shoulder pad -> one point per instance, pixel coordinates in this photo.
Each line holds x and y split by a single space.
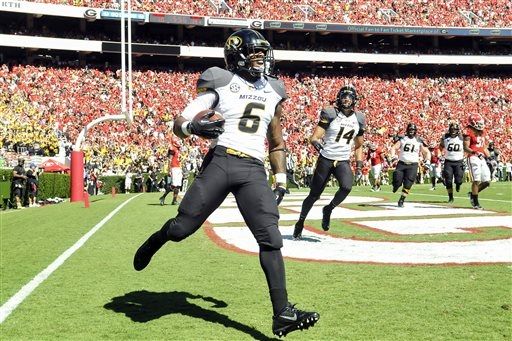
278 86
361 119
213 78
328 114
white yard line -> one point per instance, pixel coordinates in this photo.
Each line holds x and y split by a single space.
8 307
445 195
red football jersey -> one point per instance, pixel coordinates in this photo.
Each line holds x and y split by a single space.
375 157
434 155
175 160
476 142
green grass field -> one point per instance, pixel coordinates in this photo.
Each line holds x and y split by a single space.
195 290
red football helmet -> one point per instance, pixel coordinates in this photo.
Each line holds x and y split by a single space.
476 121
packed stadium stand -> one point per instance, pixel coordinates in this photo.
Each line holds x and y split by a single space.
496 13
48 95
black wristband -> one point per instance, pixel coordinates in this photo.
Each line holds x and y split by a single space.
359 164
277 150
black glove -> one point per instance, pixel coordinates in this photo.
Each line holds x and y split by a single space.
318 146
205 128
279 192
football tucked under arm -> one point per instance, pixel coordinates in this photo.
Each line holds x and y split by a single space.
207 124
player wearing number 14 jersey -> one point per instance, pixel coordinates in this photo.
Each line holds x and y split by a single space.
341 128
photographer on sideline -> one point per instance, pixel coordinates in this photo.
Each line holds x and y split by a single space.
18 183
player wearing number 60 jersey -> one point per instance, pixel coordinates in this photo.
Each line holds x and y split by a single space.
341 128
452 144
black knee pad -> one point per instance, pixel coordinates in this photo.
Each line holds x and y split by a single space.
172 231
273 240
313 198
449 185
345 189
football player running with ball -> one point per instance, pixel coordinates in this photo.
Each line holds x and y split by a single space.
249 100
340 127
409 147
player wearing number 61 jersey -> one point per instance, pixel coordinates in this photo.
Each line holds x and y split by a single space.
452 144
341 128
409 146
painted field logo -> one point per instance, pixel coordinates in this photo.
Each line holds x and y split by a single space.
431 219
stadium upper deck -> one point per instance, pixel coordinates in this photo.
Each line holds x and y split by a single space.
453 13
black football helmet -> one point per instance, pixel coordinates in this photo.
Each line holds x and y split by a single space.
240 46
454 129
347 98
411 130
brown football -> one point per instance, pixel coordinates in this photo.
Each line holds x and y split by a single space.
216 116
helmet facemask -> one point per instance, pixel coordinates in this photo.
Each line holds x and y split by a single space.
249 53
346 99
479 125
257 60
454 130
411 130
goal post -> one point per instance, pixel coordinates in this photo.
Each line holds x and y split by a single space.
77 155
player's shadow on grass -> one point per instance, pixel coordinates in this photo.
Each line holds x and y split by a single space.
303 239
433 202
144 306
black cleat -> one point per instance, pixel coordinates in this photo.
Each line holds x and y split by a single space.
290 319
477 207
162 201
401 202
147 250
297 232
471 201
450 200
326 218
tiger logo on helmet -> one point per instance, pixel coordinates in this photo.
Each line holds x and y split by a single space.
476 121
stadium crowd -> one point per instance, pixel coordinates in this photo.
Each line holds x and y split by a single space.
491 13
43 109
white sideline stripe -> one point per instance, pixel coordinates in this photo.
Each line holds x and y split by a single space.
14 301
442 196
